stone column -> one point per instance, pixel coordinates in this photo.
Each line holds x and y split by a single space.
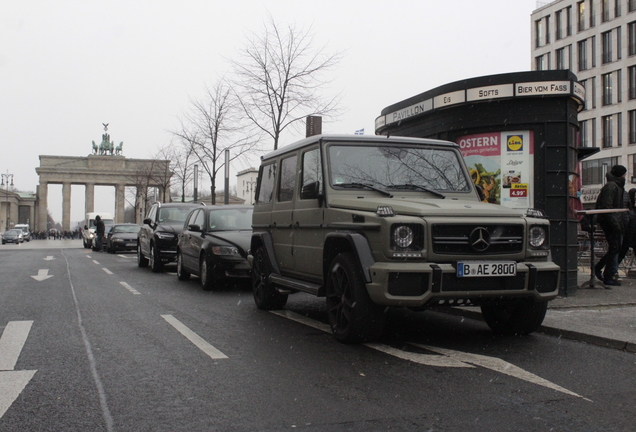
120 202
43 203
89 207
66 206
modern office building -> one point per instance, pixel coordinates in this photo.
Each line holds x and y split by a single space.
595 39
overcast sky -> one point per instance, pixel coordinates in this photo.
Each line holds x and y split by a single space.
67 66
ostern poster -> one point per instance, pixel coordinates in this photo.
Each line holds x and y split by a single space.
502 163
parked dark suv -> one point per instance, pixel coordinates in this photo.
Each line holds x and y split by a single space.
370 222
157 238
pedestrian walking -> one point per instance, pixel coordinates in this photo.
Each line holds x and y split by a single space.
99 233
629 225
611 197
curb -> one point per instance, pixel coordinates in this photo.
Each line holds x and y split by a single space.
601 341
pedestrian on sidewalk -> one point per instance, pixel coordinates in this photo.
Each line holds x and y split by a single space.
629 225
611 197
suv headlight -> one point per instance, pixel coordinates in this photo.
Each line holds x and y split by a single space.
538 237
407 237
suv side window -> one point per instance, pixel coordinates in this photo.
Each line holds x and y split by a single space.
266 186
312 168
287 179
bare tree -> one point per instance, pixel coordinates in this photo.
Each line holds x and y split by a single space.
213 126
182 158
280 79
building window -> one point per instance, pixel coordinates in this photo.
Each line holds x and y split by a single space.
583 55
619 43
605 11
585 139
592 15
538 25
619 129
560 59
631 38
559 25
617 8
607 131
607 89
568 20
539 63
631 5
619 86
593 43
593 172
593 92
607 47
581 12
632 127
547 29
632 82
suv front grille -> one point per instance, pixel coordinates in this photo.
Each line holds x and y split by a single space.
472 239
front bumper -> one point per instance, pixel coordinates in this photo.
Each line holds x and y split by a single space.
431 284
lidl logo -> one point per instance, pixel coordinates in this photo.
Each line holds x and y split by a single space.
515 143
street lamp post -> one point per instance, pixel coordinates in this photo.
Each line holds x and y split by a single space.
6 178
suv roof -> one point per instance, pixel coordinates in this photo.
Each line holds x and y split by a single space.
356 138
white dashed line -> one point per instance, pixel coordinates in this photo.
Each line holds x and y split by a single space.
194 338
129 288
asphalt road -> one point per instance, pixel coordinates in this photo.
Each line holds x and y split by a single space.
91 342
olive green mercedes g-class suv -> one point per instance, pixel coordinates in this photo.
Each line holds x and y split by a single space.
369 222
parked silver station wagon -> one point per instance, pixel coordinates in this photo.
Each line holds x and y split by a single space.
369 222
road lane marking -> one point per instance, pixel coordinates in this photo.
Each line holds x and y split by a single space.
129 288
11 385
13 382
194 338
448 358
43 274
103 402
49 258
96 262
13 338
501 366
107 271
425 359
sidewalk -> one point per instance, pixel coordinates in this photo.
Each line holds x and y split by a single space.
596 316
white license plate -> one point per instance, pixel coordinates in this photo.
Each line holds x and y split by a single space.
486 268
131 244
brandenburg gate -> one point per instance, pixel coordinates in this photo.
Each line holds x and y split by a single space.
106 166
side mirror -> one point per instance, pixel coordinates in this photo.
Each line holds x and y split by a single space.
147 221
194 227
311 191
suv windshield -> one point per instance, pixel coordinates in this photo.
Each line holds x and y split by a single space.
173 215
385 167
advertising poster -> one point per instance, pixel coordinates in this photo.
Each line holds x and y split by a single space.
502 163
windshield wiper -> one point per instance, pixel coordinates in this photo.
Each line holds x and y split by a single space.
364 185
414 186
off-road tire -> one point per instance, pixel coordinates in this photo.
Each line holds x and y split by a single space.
353 317
514 317
266 296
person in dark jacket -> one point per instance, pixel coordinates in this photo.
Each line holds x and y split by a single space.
611 197
629 224
100 229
